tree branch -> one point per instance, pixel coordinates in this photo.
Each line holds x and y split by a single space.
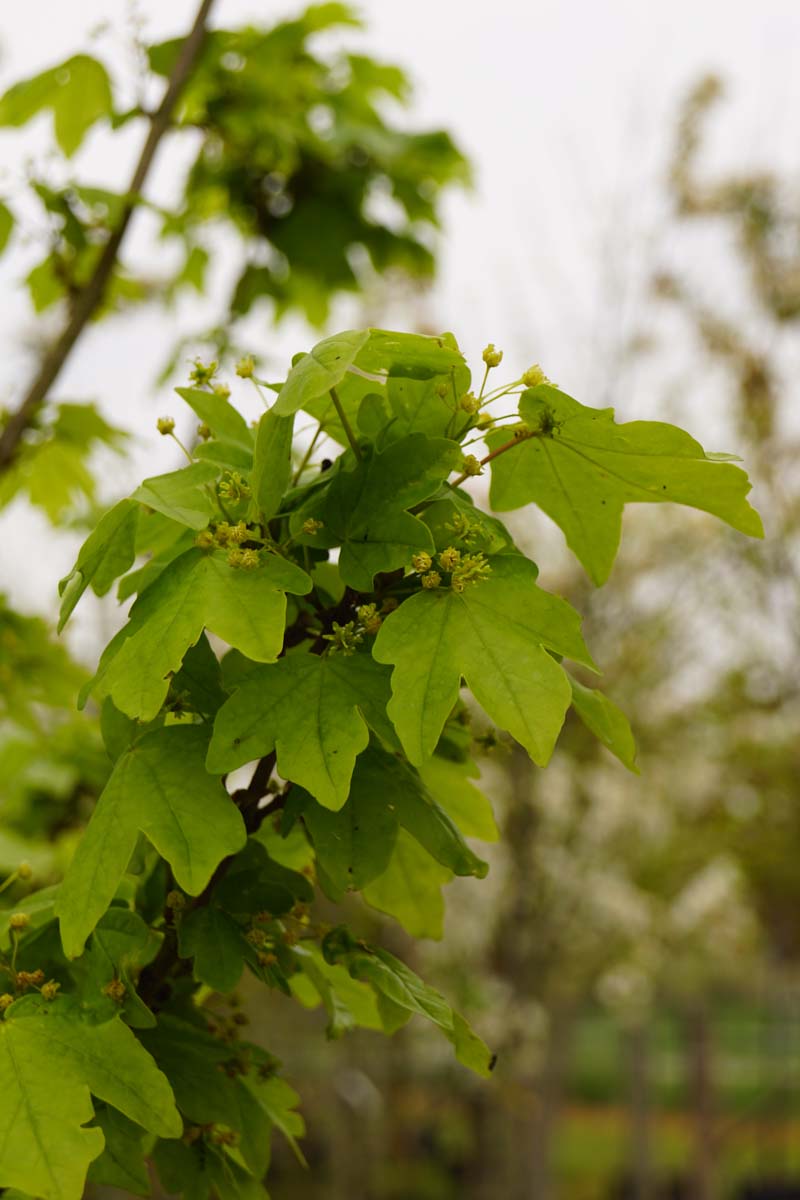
89 298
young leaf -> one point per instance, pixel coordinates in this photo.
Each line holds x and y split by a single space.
216 944
195 591
194 1062
159 787
313 710
78 92
581 468
497 634
410 889
607 722
180 495
122 1164
363 510
395 981
353 846
272 464
465 804
316 373
221 417
107 553
51 1058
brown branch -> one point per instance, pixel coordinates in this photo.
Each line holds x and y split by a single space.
90 297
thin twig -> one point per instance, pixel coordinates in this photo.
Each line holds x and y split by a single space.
515 441
90 297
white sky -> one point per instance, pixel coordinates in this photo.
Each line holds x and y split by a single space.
565 109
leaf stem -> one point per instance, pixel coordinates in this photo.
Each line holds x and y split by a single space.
346 426
515 441
307 456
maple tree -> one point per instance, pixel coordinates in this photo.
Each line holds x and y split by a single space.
338 675
309 607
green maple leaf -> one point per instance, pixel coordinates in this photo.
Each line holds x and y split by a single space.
363 510
405 991
221 417
313 710
108 552
378 351
51 1059
272 463
354 845
180 495
122 1164
194 1061
581 468
215 942
316 373
496 634
410 889
607 722
197 590
159 787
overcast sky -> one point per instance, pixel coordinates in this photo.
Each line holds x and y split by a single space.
565 108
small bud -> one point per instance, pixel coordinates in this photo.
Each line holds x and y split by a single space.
222 533
204 431
432 580
471 466
449 558
165 425
202 373
312 526
6 1000
222 390
250 560
442 390
205 539
344 638
246 367
26 979
369 618
18 921
266 960
484 418
24 870
235 557
115 990
237 533
534 376
176 901
492 357
469 402
256 937
421 562
50 989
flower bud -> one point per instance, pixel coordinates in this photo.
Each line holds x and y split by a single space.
421 562
18 921
492 357
534 376
432 580
165 425
245 367
471 465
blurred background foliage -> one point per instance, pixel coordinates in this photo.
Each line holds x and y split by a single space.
634 953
